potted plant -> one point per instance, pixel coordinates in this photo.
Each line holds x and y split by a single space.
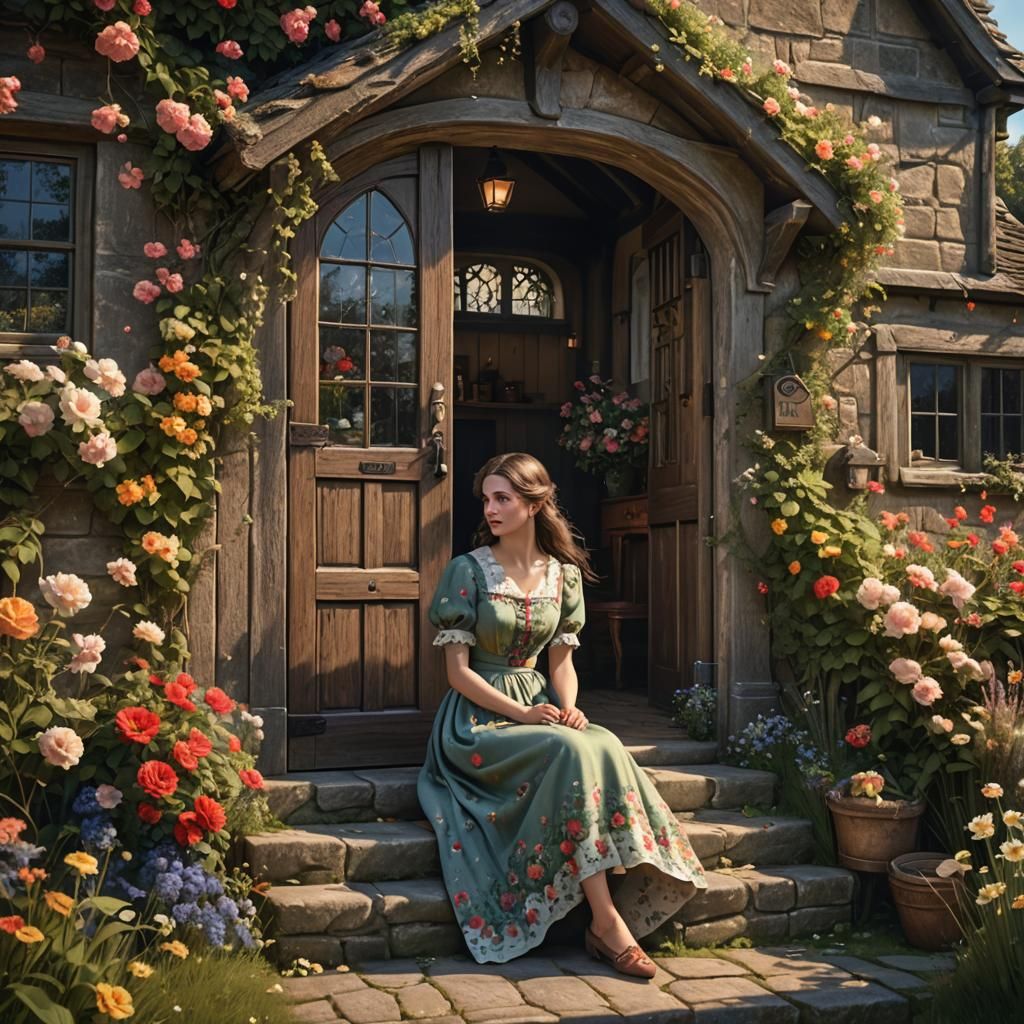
695 710
608 433
926 893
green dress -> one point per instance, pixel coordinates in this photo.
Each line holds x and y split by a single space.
523 813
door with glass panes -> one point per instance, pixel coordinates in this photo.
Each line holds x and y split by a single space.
370 501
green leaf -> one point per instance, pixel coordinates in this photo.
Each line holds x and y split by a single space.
42 1005
789 508
106 905
130 440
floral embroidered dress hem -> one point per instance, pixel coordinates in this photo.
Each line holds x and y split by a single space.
524 813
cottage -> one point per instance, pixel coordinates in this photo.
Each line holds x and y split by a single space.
651 236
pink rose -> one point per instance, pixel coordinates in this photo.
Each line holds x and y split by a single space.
161 274
932 623
122 571
332 30
98 450
874 151
771 106
940 724
921 576
89 652
108 117
187 250
902 619
230 49
926 691
155 250
957 589
142 8
108 797
906 671
585 443
295 24
780 67
611 445
876 196
869 593
149 381
172 116
61 746
106 374
854 163
104 5
9 85
146 291
130 177
595 417
372 13
36 419
196 135
174 283
117 42
824 149
36 53
237 89
65 592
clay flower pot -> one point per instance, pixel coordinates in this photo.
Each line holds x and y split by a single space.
870 834
925 902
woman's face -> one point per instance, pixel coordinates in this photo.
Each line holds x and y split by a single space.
504 509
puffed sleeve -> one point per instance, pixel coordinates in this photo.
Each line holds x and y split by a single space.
573 614
453 609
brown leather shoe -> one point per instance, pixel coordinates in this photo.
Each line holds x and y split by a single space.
632 960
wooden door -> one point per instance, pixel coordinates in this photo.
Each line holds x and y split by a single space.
369 521
681 588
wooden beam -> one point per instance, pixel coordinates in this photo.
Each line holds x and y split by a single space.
987 243
781 227
548 40
550 172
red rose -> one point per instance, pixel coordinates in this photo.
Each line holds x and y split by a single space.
535 871
825 587
461 897
859 736
476 921
157 778
567 846
456 846
137 662
137 724
177 694
476 760
1016 586
199 743
219 700
148 813
1018 567
187 831
345 365
234 744
251 778
973 539
183 679
209 814
184 756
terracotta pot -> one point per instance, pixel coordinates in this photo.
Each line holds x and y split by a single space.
869 835
925 903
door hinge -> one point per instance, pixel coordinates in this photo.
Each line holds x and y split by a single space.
306 725
308 435
709 399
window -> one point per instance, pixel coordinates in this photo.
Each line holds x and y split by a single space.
369 345
532 294
502 287
1002 415
935 412
478 289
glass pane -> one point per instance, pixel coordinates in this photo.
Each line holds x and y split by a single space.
49 311
14 179
13 306
1012 435
532 294
922 435
393 356
342 409
342 294
393 297
51 223
13 220
50 269
989 390
391 241
51 183
1011 391
346 237
342 354
947 382
483 288
990 436
949 438
393 417
13 267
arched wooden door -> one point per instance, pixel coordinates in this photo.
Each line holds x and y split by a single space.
369 519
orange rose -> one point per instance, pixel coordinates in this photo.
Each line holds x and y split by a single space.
186 372
18 618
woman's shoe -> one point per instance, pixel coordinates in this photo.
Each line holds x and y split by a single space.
632 960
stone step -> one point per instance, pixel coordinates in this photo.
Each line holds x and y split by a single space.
341 922
319 798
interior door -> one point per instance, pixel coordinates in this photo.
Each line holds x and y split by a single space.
681 588
369 506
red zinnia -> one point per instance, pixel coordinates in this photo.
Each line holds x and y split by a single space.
199 743
187 831
157 778
184 756
219 700
148 813
137 724
177 694
251 778
859 736
210 814
825 587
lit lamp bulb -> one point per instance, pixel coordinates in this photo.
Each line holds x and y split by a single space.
495 185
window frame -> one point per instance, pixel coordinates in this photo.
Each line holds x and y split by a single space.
505 265
82 158
928 359
991 364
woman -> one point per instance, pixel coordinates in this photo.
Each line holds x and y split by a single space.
532 805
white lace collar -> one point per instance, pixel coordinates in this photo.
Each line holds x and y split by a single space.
499 583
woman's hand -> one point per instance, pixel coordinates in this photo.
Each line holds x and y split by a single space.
540 714
573 718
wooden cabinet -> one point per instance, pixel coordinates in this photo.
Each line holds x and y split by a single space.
624 531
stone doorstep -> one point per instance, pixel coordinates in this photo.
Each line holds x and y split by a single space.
718 786
766 840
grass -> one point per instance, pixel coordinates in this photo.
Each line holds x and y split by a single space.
210 988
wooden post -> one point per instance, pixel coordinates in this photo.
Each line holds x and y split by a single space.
549 38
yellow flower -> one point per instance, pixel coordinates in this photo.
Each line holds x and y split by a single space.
992 790
818 537
963 856
959 739
794 568
1018 903
59 902
139 969
175 948
1013 819
29 935
832 551
990 892
83 863
1012 850
779 527
981 827
114 1001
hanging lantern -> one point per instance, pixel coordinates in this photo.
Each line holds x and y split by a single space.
573 341
495 185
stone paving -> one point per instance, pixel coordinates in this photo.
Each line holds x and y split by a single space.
775 985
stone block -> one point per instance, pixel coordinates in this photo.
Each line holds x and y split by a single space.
920 221
394 791
897 19
767 927
422 1000
85 556
714 933
630 998
326 950
849 1003
682 790
898 981
816 920
912 254
576 88
900 60
320 986
759 840
386 850
954 257
865 56
472 991
772 960
794 17
391 974
67 511
510 1015
612 94
700 967
337 789
772 890
366 1006
917 182
724 895
291 854
314 1013
425 939
561 995
303 909
416 899
285 796
360 948
937 66
936 963
949 225
830 50
799 51
950 184
846 16
744 1000
819 886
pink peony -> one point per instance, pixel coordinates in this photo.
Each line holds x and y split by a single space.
172 116
906 671
61 746
108 117
9 85
824 149
771 106
89 652
873 593
196 135
902 619
155 250
130 177
98 450
332 30
948 643
117 42
187 250
146 291
372 13
65 592
122 571
926 691
104 373
295 24
921 576
230 49
585 443
36 419
237 89
149 381
25 370
957 589
36 53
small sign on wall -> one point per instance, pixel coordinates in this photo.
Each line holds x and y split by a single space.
792 408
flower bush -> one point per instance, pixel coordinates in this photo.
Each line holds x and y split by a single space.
605 429
696 710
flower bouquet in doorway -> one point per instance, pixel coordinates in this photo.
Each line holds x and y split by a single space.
608 433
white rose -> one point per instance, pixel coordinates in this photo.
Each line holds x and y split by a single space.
61 746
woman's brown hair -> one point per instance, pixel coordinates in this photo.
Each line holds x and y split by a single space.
556 536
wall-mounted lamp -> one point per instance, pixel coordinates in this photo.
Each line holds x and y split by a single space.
573 341
495 185
862 464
